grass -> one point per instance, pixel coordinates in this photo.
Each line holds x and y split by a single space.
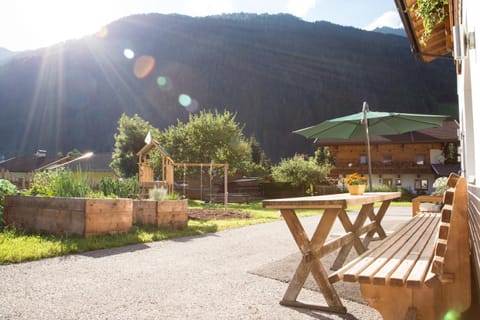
17 246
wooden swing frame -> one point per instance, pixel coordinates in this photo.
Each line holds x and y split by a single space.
145 170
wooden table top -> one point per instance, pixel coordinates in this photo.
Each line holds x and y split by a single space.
338 200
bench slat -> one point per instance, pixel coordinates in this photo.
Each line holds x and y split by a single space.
397 274
349 272
421 270
397 251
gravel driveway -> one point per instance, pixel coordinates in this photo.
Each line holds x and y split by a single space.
199 277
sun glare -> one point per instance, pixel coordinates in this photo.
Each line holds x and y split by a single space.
44 23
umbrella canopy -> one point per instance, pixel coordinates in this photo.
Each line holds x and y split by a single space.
379 124
367 122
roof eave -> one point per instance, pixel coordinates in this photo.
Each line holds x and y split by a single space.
439 46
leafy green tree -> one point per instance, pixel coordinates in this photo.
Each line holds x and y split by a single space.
129 139
323 156
208 137
300 172
260 166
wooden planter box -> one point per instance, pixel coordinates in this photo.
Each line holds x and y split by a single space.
67 216
167 213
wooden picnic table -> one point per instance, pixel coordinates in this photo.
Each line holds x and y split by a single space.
334 206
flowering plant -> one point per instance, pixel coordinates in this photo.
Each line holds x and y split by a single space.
355 179
440 186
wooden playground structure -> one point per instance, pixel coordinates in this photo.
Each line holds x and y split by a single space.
146 180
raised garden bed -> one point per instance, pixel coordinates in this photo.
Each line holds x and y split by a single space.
66 216
166 213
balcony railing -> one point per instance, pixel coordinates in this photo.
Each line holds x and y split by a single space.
379 167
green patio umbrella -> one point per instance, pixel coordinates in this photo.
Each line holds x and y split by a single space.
366 123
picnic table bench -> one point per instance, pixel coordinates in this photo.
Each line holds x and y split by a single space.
422 271
367 222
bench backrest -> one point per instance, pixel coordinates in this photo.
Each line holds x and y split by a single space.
452 247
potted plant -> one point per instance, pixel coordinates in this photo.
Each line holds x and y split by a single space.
356 184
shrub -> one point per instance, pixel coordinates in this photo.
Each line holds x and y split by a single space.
6 188
121 188
60 183
300 172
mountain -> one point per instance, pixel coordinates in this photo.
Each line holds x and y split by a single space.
388 30
6 55
277 72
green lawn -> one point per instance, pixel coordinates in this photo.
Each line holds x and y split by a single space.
17 246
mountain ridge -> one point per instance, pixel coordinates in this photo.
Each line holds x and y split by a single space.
276 72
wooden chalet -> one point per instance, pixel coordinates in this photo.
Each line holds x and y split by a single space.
412 160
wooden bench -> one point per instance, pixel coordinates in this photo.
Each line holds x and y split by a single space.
422 271
416 202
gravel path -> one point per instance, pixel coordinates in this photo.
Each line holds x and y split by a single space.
200 277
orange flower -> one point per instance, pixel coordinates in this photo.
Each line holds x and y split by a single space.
355 179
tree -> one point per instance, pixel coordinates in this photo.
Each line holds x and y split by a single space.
208 137
128 141
260 166
300 172
323 156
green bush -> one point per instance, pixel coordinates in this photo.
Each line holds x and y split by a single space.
300 172
6 188
60 183
121 188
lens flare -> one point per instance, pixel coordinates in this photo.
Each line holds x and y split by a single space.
143 66
184 100
162 82
128 53
452 315
193 107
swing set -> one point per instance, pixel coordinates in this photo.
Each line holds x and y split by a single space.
146 179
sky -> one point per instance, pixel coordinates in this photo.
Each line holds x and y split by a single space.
31 24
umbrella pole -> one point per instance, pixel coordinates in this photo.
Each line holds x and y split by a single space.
365 123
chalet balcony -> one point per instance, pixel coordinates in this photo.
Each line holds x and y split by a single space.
379 167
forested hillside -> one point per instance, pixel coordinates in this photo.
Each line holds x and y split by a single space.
278 73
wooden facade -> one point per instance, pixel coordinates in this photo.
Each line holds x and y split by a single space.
411 160
391 158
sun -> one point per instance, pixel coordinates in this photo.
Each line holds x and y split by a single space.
47 22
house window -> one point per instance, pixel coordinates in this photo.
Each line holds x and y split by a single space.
421 184
363 159
387 182
420 160
387 158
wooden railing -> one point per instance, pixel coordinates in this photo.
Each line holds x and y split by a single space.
346 167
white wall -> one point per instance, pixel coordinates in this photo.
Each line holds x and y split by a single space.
469 93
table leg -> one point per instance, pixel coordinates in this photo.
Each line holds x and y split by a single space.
378 223
349 227
311 262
